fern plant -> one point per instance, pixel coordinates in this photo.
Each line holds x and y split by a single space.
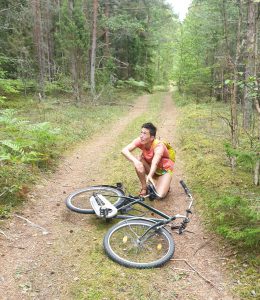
30 143
15 153
8 119
2 99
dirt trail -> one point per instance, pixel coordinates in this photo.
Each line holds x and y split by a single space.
34 254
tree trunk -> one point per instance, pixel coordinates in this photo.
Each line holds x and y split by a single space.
93 49
228 60
257 172
250 63
49 39
257 105
233 100
38 40
106 50
74 72
222 85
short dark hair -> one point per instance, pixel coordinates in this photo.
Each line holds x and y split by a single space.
152 129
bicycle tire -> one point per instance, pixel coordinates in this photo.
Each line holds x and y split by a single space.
79 202
120 244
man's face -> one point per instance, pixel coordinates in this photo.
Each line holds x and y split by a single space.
145 136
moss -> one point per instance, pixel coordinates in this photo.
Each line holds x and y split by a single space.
227 198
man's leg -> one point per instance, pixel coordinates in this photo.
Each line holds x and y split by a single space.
163 184
141 175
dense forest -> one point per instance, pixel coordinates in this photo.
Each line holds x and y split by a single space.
84 46
218 56
87 47
84 53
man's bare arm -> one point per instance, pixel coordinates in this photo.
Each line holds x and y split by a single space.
126 151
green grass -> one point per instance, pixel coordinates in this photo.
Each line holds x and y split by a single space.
228 200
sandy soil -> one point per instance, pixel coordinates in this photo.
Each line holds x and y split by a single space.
35 248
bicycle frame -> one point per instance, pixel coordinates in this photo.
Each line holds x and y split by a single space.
139 201
166 219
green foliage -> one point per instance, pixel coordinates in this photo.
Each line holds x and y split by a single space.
246 158
224 195
7 118
30 144
61 86
2 99
122 21
132 83
206 41
227 199
160 88
10 86
140 44
233 218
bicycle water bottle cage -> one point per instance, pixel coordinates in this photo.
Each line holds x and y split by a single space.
102 207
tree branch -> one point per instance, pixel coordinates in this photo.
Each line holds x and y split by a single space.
4 234
226 120
44 231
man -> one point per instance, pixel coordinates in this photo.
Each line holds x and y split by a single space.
153 162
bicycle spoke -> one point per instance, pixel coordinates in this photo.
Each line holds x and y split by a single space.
80 200
126 244
129 225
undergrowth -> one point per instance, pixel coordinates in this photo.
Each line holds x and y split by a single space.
33 135
228 200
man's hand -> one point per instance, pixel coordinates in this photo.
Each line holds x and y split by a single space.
149 178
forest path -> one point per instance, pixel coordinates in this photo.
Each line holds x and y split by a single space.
42 259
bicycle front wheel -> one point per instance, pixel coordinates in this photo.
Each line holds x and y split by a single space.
131 244
79 201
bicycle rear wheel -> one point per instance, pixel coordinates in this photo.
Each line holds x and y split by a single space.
78 201
154 249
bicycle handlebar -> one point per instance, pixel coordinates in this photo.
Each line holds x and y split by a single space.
186 189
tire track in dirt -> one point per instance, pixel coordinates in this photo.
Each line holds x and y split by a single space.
34 265
195 246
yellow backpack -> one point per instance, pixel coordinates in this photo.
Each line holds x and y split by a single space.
171 151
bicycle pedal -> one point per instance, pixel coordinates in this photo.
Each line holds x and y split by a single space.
102 207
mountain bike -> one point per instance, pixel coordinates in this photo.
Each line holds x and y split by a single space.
139 241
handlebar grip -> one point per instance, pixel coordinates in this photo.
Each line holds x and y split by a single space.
186 189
